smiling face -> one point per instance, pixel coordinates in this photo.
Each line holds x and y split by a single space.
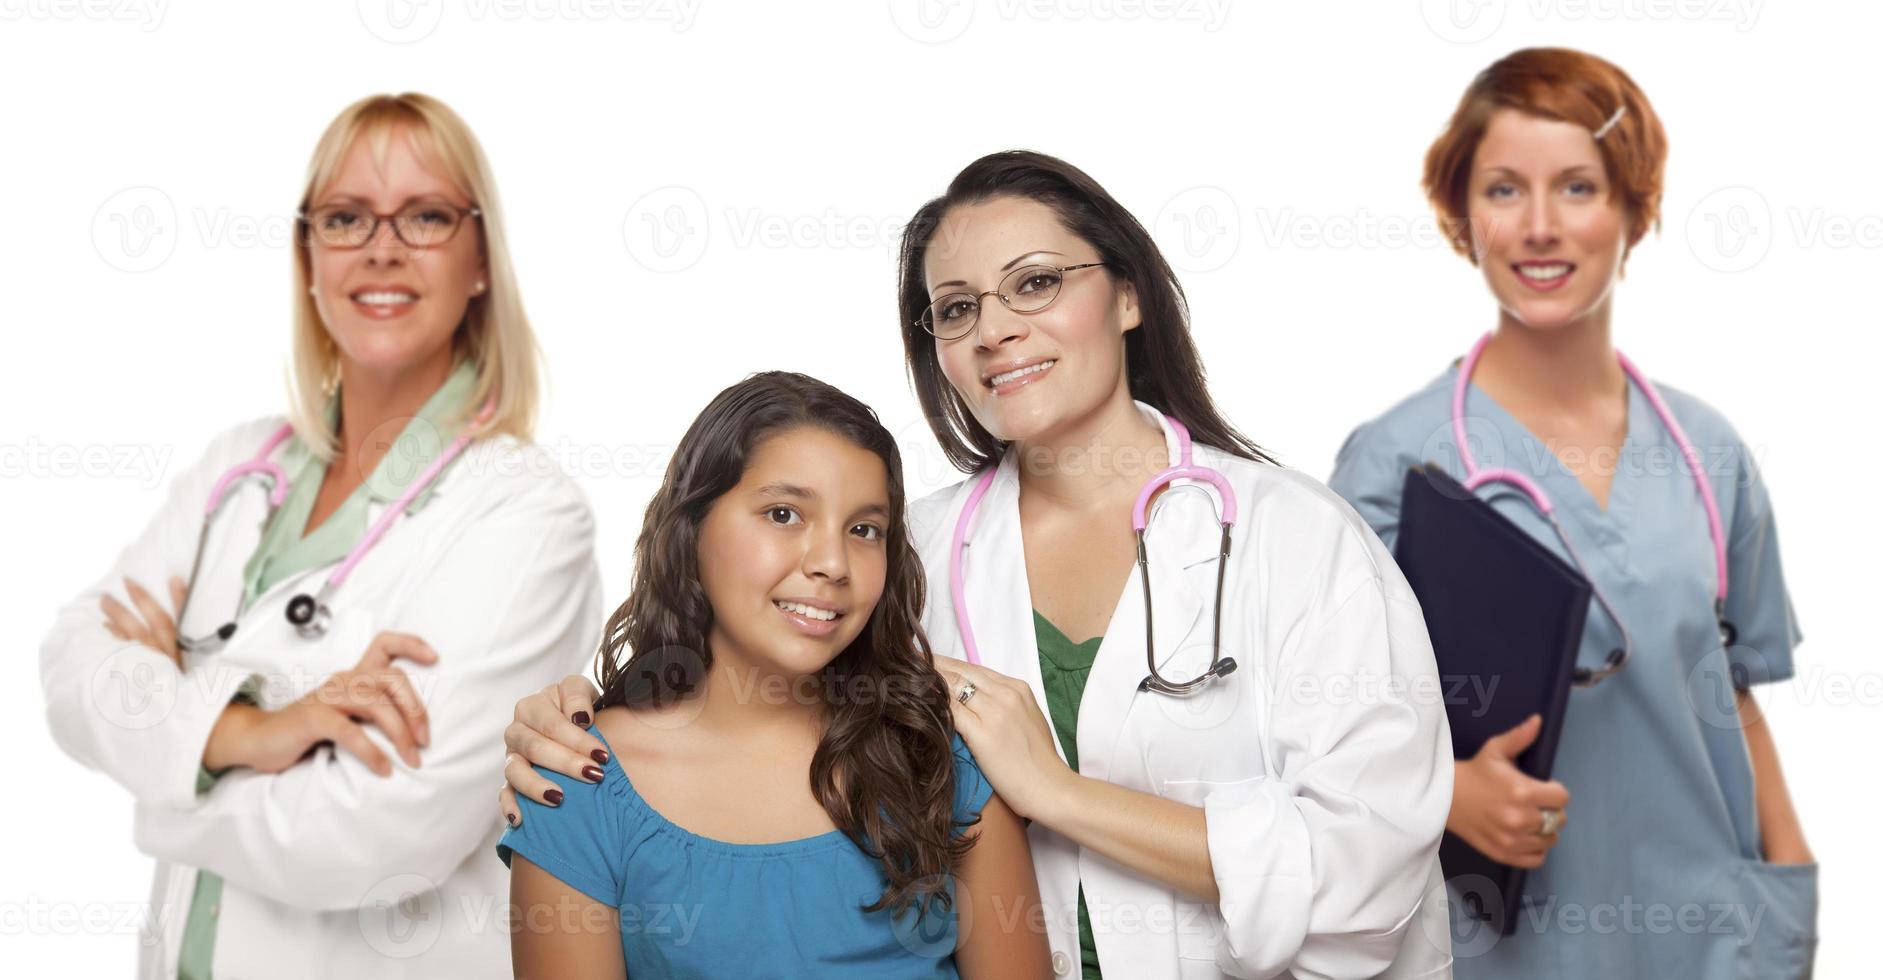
1547 232
1025 375
792 558
388 306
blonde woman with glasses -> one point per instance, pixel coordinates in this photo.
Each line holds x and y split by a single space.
300 668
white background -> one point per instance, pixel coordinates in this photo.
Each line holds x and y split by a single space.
153 154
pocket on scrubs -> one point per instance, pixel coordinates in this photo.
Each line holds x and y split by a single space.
1784 943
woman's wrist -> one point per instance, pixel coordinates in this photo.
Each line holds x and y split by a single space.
1059 794
228 736
1787 846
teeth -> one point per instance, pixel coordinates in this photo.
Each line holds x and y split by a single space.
385 299
1544 272
1001 379
808 612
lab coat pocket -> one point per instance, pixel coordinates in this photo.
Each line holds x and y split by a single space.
1199 939
1195 791
1199 926
1778 909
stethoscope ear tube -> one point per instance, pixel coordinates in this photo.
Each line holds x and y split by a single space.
309 615
1186 468
1475 477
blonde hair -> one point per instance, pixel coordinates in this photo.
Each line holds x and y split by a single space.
495 334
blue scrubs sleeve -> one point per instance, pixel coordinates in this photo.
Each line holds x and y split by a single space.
1371 477
1757 602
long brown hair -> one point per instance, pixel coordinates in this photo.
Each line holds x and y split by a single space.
884 769
1162 366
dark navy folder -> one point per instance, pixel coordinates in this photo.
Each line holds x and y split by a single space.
1505 615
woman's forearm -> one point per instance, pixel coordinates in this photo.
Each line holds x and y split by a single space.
1155 837
1781 836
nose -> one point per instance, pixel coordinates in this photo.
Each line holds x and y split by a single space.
997 325
1540 221
384 248
827 556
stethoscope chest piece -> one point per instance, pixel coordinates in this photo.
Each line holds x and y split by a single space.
308 616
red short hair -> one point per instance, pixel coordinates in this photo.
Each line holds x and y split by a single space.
1566 85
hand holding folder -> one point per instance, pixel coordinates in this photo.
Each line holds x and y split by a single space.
1505 616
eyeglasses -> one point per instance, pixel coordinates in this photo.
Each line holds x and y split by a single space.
1028 289
421 224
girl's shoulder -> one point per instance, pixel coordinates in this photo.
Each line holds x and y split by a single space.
972 790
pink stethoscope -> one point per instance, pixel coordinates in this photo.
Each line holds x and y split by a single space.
308 614
1475 478
1186 468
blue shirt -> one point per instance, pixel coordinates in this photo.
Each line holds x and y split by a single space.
691 906
1658 871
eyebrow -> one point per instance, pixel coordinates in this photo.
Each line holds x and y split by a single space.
402 205
1566 171
796 492
1010 264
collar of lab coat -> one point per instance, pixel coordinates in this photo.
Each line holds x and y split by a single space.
1182 543
423 437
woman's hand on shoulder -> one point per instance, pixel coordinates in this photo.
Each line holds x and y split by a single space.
550 729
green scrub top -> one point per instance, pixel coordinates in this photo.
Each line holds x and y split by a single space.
1064 667
286 550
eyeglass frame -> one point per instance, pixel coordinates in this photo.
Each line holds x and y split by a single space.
925 319
305 217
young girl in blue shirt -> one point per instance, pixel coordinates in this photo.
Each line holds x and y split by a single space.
782 793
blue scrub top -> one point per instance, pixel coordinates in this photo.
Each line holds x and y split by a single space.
1658 871
694 907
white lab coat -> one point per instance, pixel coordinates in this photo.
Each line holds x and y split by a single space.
1324 794
330 870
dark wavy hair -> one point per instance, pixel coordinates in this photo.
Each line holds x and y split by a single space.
1162 366
884 769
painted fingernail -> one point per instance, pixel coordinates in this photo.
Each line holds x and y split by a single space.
580 718
599 755
591 774
512 818
554 797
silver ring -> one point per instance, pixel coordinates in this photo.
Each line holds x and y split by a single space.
967 691
1552 822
